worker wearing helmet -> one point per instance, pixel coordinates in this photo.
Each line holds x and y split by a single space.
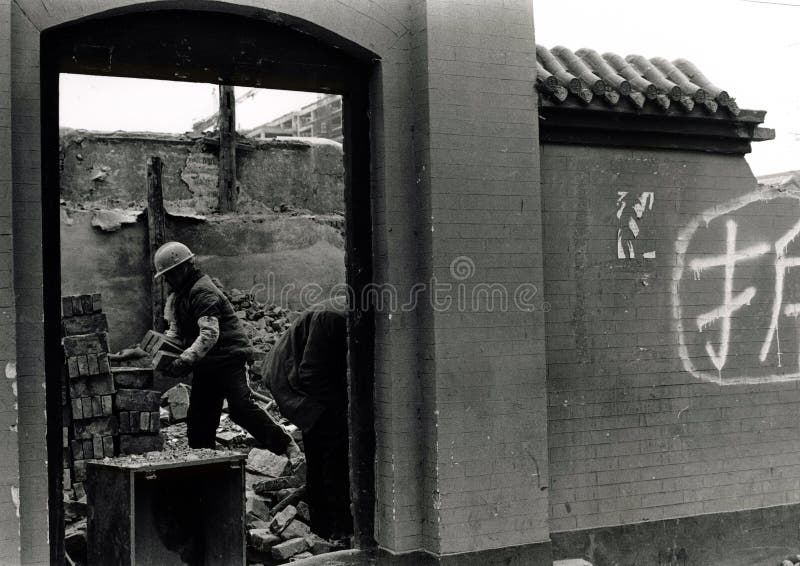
218 350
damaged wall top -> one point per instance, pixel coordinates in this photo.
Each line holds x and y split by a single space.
110 168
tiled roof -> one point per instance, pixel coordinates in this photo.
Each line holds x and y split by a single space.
611 80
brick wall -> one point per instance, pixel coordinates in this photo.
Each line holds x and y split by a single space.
640 427
485 381
9 468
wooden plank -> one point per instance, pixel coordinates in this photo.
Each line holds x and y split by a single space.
228 192
156 230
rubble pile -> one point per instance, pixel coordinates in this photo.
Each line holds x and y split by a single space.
263 322
791 560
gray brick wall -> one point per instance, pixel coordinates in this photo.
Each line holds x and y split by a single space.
9 468
634 435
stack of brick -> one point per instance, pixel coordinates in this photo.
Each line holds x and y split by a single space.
87 394
138 409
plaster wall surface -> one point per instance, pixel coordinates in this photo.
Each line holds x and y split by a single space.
660 404
113 167
274 256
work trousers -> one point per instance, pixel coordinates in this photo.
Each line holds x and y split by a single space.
210 386
328 475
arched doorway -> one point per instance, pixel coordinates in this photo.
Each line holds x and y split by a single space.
266 50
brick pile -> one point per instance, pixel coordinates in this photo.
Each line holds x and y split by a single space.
89 424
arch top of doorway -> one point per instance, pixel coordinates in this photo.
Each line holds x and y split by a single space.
362 29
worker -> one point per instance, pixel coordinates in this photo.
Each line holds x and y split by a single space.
307 374
218 351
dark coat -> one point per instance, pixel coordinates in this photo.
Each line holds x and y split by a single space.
307 369
198 297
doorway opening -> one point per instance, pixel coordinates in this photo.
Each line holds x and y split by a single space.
217 49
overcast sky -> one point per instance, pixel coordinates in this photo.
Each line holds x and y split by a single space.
748 47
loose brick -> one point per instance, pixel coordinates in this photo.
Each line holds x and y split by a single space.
80 491
102 364
258 506
65 436
271 485
93 368
85 324
162 360
135 421
97 302
133 378
108 446
83 365
282 519
158 342
91 385
72 367
155 421
261 461
124 422
97 446
67 479
86 344
303 512
108 405
177 400
97 406
289 548
137 400
262 539
88 449
66 306
139 444
101 425
86 403
77 306
86 303
79 469
77 409
144 421
295 529
77 450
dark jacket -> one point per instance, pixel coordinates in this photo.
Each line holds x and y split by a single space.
199 297
307 369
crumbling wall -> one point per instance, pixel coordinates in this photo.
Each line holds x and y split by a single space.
276 256
110 168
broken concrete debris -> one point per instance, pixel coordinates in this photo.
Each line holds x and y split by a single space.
114 412
264 462
176 400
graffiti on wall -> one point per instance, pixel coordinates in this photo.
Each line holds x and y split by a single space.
736 296
632 210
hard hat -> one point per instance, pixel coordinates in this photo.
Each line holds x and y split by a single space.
169 255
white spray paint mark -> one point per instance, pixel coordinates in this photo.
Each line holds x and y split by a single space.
730 302
682 242
628 232
15 498
782 263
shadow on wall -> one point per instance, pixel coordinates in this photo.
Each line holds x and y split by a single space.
268 252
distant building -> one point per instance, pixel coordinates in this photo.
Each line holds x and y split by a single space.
320 119
777 178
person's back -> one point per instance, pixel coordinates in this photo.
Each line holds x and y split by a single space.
307 373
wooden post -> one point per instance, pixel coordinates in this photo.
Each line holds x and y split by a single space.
156 231
226 184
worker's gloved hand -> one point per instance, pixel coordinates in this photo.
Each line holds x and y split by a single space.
178 368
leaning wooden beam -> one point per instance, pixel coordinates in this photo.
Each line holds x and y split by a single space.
156 236
226 183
